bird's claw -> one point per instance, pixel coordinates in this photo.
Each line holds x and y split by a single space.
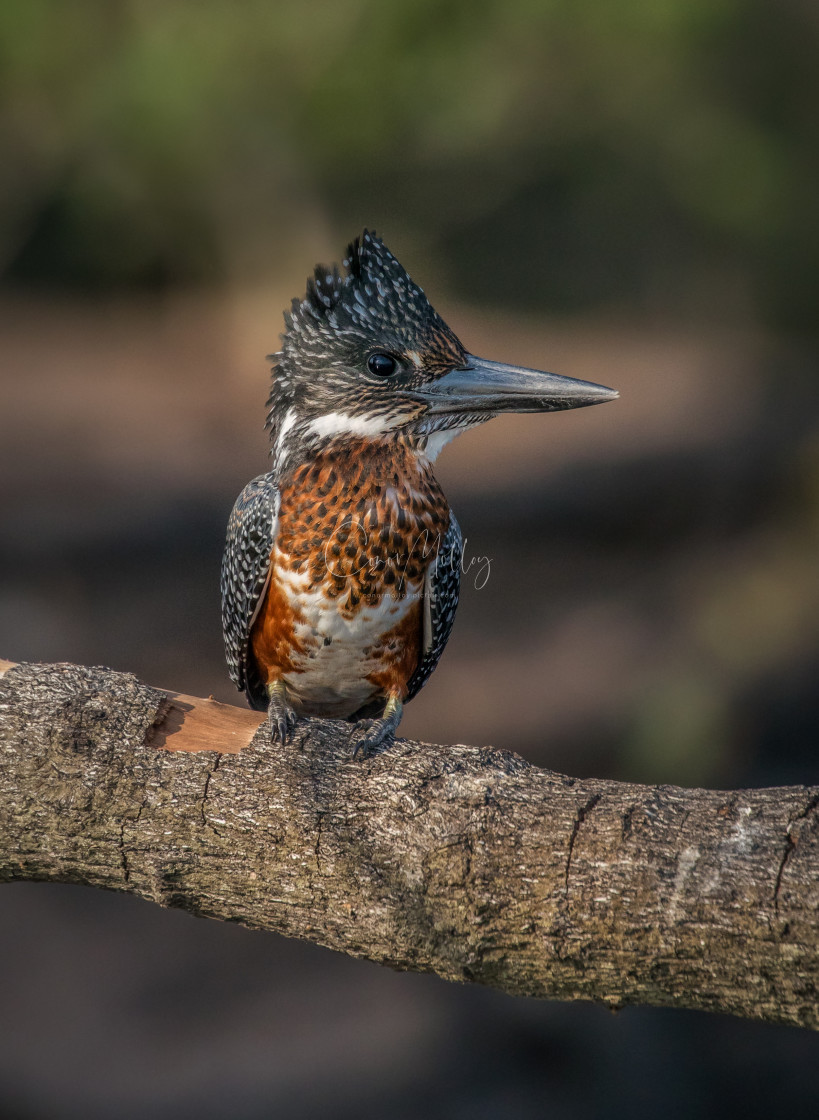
369 734
282 725
281 716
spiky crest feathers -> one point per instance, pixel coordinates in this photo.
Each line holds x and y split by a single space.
373 305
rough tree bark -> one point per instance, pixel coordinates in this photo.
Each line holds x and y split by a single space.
463 861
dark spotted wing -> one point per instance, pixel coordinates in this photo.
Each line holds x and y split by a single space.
251 533
441 588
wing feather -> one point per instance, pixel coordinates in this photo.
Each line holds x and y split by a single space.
441 589
251 534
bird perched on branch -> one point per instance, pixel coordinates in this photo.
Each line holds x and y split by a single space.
342 564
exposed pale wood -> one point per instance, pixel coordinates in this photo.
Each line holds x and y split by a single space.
467 862
191 724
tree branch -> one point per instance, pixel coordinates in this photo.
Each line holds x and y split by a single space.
463 861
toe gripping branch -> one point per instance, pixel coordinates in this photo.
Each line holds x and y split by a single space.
369 734
365 736
281 716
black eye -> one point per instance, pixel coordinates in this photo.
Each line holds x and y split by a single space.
381 364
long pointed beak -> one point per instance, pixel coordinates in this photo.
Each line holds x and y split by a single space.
485 386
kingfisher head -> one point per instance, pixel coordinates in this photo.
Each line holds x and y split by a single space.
365 355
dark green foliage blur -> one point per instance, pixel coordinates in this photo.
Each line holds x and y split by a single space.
643 154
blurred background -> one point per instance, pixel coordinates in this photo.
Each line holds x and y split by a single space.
624 193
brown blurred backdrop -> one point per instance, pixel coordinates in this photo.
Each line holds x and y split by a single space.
622 193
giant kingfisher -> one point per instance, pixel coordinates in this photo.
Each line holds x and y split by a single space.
341 569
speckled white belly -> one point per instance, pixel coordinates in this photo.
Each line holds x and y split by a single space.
330 677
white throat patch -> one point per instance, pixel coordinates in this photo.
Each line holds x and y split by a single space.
437 441
343 424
